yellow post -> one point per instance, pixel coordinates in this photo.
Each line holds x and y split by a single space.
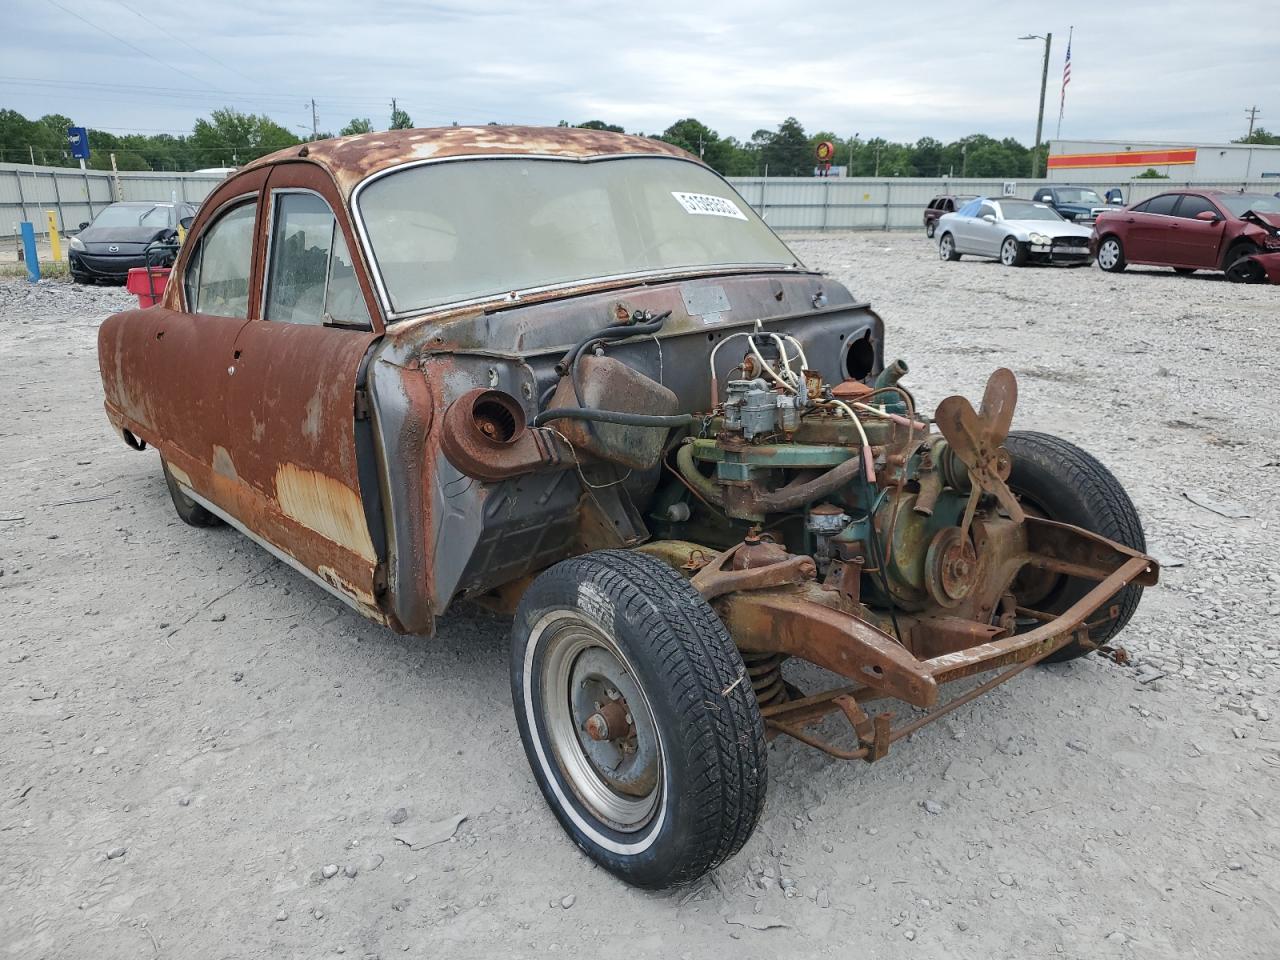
54 241
182 234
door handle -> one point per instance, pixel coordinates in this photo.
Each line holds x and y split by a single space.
1129 220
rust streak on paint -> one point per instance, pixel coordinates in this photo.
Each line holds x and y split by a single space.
326 506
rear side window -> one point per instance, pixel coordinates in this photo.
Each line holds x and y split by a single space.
217 277
1162 204
312 279
1193 205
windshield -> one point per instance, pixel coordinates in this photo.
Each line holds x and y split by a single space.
1027 210
135 215
1241 203
1078 195
449 232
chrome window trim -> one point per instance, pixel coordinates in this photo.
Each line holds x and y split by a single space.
227 206
394 316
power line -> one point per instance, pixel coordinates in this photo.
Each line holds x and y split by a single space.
131 46
183 42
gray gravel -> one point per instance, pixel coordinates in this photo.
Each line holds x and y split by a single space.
1084 810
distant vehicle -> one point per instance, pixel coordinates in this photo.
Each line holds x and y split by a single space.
220 171
1079 204
1187 230
1013 231
943 204
119 236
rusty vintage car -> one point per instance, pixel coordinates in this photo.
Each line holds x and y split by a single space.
572 375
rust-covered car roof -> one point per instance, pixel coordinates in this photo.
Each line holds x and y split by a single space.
352 159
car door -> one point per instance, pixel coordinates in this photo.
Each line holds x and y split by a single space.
192 340
1197 243
1148 237
292 391
987 234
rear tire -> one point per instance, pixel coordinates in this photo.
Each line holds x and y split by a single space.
931 228
1111 254
1060 481
189 512
947 248
681 787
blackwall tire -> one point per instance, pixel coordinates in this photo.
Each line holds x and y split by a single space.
1111 255
688 784
1058 480
189 512
930 229
947 248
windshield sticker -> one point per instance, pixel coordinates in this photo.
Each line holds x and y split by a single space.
708 205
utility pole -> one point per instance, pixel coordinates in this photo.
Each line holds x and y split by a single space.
1252 113
1044 83
315 135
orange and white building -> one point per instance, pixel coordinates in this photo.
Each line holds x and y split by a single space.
1091 161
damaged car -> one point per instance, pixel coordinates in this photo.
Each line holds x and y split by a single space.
571 375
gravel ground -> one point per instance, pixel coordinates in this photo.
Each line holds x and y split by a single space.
202 755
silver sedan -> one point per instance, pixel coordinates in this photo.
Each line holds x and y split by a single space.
1012 231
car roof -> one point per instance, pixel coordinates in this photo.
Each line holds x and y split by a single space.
351 159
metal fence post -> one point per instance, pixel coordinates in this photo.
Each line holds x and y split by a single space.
826 201
888 207
57 201
22 200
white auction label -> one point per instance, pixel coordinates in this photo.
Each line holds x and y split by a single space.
708 205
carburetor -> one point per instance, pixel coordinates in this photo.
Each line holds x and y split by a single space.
756 410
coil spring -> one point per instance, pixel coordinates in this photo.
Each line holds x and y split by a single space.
765 671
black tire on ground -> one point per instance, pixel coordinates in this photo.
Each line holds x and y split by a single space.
1111 254
627 624
1239 252
1184 271
189 511
947 248
931 228
1058 480
1013 253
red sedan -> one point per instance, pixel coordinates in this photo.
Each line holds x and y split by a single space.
1188 230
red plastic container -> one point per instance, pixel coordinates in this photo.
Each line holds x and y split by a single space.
149 289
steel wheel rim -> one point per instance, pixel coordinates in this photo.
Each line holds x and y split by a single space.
1009 252
944 248
1108 254
578 661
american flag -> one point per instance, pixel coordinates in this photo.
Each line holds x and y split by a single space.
1066 79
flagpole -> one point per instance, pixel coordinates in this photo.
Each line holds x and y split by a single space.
1062 103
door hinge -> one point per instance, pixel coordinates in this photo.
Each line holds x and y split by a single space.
362 404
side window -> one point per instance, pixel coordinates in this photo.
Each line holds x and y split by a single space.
970 209
1192 205
1162 204
947 206
312 278
1141 207
987 209
217 278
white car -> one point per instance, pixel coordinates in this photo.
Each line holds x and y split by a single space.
1012 231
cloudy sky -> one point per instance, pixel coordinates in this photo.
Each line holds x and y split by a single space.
1157 70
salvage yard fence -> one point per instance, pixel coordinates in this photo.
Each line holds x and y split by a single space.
786 203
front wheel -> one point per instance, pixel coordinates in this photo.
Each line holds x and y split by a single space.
189 512
1111 255
1058 480
947 248
1012 253
637 718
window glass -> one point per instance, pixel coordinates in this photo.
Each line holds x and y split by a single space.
449 232
1192 205
970 209
312 279
987 210
1241 203
217 279
1162 204
1141 207
1029 210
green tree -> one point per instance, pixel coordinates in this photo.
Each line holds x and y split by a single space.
1260 135
600 125
400 120
356 125
1151 173
725 156
784 152
230 138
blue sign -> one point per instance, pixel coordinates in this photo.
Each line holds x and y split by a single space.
78 140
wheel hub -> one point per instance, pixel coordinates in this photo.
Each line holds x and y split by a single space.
951 567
